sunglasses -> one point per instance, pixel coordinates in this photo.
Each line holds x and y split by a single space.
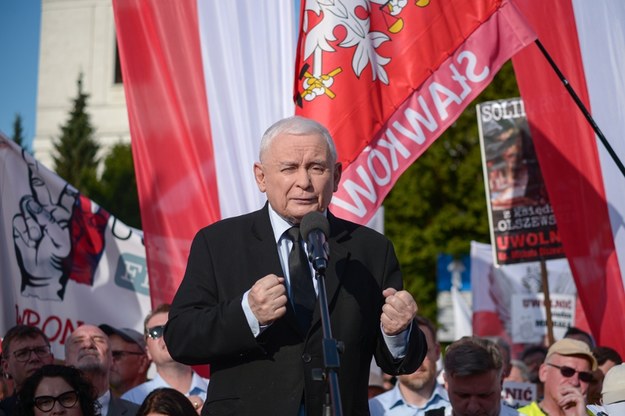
567 372
156 331
46 403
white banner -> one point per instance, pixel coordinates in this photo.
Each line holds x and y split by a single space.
64 260
529 316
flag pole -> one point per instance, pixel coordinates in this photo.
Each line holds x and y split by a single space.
582 107
544 277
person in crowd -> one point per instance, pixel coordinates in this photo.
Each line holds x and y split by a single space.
506 355
566 374
169 373
25 349
247 303
130 361
613 392
88 349
415 393
165 401
518 372
474 377
57 390
606 358
6 386
574 332
533 356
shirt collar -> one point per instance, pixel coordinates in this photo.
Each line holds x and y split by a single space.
279 225
105 401
438 393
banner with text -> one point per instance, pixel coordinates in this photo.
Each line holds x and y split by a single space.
522 223
64 260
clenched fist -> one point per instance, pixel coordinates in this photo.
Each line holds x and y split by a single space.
398 311
268 299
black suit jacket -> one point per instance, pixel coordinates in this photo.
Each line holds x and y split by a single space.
121 407
267 375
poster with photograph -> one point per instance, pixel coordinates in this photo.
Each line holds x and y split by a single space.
523 225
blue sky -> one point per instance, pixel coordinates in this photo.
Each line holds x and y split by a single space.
19 56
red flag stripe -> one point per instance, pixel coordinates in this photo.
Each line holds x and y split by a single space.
567 150
171 138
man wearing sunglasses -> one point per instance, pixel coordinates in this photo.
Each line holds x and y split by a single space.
566 374
169 373
25 349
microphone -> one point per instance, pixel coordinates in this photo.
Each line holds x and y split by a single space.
315 229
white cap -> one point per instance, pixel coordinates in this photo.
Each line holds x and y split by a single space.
613 391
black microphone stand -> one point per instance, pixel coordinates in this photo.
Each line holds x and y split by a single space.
331 349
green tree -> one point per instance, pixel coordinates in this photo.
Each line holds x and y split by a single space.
117 189
439 204
18 131
75 151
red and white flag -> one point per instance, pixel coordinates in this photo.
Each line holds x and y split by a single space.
64 260
587 42
204 80
388 77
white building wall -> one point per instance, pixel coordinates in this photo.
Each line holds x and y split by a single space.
78 35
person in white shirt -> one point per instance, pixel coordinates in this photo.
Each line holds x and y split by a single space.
418 393
169 373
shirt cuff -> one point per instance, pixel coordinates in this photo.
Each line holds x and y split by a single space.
397 344
253 323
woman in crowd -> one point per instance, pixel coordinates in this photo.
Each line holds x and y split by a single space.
166 402
56 388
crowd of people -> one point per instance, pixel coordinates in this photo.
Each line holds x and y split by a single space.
572 377
248 306
104 372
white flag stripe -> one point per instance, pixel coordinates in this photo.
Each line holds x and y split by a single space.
248 53
602 43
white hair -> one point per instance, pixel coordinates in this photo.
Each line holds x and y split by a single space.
297 126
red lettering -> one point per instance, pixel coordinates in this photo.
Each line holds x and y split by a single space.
57 329
52 327
29 317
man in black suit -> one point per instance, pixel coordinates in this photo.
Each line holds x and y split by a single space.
234 308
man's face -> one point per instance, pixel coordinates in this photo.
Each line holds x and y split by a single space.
129 362
555 382
88 349
533 363
298 175
20 363
475 395
156 348
425 376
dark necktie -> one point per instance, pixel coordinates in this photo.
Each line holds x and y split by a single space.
302 289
